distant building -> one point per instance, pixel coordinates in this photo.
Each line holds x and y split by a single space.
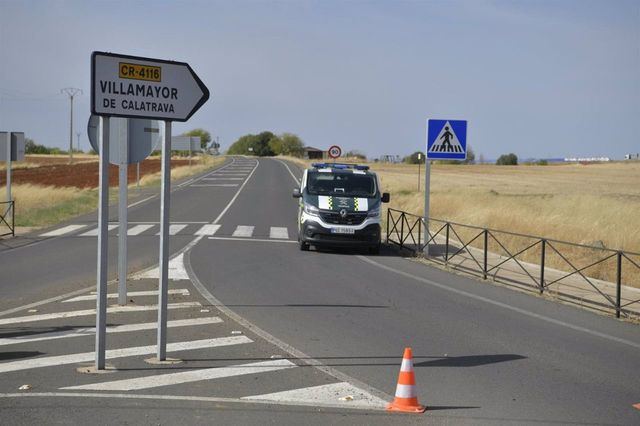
311 153
587 159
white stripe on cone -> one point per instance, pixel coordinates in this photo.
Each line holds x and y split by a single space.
407 365
406 391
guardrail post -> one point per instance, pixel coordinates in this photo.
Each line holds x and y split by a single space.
486 243
13 218
542 258
419 234
388 217
402 230
446 244
618 283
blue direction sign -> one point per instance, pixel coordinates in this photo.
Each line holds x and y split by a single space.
447 139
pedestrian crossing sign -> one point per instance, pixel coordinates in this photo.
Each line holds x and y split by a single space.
447 139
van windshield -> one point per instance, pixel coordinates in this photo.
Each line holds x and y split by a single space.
345 184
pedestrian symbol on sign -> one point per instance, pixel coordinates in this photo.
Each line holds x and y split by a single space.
447 139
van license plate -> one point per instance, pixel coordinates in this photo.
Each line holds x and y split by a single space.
341 230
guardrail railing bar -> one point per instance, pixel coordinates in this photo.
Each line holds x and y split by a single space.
464 248
513 257
629 259
618 282
432 238
10 208
410 230
579 271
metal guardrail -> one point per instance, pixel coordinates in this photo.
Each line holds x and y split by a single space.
7 218
407 231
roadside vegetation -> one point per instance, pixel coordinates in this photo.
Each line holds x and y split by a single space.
268 144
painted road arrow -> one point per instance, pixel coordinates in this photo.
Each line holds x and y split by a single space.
136 87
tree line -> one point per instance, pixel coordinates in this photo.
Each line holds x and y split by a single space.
266 144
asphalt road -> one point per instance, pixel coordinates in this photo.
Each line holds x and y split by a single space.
483 354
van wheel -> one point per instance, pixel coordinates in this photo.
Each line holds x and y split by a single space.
304 246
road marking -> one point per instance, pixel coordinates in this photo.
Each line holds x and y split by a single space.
223 178
174 229
92 296
90 331
138 229
208 230
140 202
85 312
62 231
186 376
94 232
500 304
243 231
276 232
204 185
259 240
334 393
175 267
120 353
246 181
290 172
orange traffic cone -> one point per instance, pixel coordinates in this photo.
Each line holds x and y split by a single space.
406 398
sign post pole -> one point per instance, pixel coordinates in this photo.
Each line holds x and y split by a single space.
419 159
165 193
122 217
8 166
427 190
103 246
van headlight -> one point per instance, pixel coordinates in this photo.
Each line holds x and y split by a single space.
311 210
374 212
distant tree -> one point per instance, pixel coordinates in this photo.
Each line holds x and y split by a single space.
481 160
205 137
354 153
31 147
471 156
259 145
413 158
507 160
287 144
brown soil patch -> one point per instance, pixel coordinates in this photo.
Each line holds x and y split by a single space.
82 174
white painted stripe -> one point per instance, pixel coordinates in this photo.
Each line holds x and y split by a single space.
223 178
205 185
50 361
186 376
140 202
223 212
62 231
174 229
208 229
253 240
176 270
276 232
90 331
406 391
94 232
181 291
243 231
334 393
407 365
138 229
85 312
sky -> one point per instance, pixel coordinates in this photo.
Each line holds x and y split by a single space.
538 78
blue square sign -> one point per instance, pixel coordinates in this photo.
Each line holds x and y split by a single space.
447 139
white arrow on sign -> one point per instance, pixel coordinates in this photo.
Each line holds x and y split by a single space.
136 87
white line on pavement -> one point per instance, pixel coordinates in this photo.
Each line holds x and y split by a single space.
85 312
174 229
120 353
94 232
90 331
208 230
260 240
222 213
279 232
223 178
92 296
205 185
243 231
138 229
62 231
186 376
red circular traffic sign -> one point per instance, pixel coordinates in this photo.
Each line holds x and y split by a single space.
335 151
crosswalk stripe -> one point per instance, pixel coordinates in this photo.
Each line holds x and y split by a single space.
174 229
333 393
224 178
85 312
90 331
243 231
278 232
138 229
120 353
181 291
208 229
94 232
187 376
227 185
62 231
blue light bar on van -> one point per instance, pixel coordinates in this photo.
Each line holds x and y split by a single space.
340 166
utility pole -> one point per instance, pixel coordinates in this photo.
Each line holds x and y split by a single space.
78 144
72 92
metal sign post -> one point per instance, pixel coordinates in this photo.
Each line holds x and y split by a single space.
427 190
103 245
419 159
163 287
8 137
122 213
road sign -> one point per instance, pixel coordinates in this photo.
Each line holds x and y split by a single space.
141 136
131 86
335 151
16 150
447 139
185 143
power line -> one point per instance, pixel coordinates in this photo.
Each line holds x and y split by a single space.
72 92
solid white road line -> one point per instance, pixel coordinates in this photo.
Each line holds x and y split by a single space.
243 231
90 331
208 230
176 270
62 231
253 240
246 181
92 296
334 393
120 353
290 172
85 312
205 185
276 232
94 232
138 229
224 178
174 229
140 202
186 376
